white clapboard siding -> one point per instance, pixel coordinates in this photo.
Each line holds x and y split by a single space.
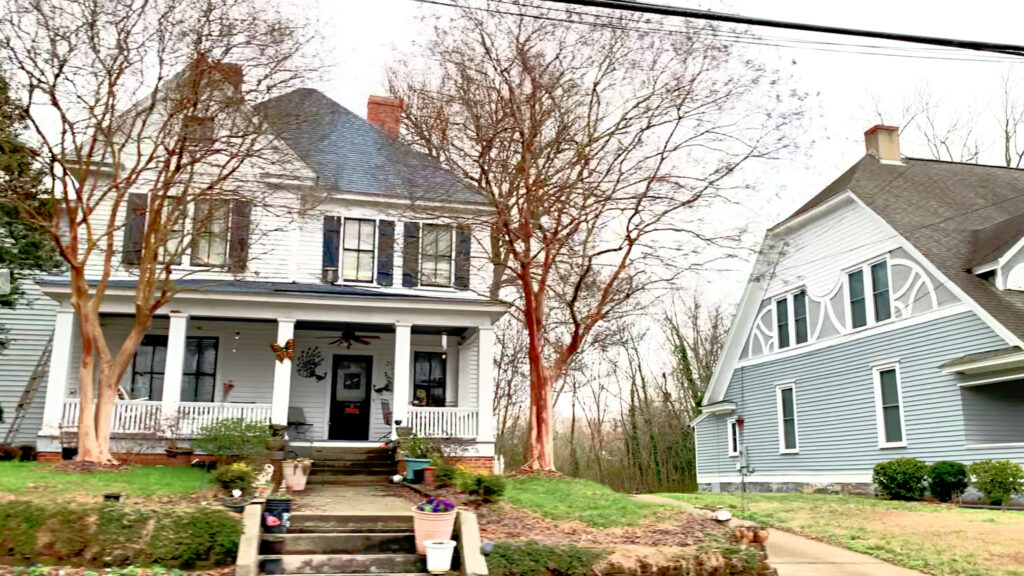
29 326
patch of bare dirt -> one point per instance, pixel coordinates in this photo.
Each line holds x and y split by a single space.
76 467
9 570
994 537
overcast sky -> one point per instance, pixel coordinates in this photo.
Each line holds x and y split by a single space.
363 37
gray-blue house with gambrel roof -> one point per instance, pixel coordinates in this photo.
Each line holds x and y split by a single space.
885 318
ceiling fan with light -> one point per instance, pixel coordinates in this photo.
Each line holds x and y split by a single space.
348 337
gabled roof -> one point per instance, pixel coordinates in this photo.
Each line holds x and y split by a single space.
992 243
351 155
951 213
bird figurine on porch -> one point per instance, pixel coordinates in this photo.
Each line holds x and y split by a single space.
288 351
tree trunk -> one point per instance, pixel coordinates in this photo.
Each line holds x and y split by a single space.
88 447
542 450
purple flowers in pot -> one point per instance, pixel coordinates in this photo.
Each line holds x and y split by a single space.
435 506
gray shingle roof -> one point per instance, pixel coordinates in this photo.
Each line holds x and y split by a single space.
349 154
943 209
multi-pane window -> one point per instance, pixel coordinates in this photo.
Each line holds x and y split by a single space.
429 378
197 131
800 317
734 437
210 233
858 303
357 250
889 406
172 218
880 290
436 255
787 418
199 373
782 322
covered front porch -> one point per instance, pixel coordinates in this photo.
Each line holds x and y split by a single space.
353 379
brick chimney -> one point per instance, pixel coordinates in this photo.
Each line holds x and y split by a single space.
385 112
883 142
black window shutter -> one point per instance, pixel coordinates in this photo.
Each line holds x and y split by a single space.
385 252
134 228
411 255
332 242
463 246
238 242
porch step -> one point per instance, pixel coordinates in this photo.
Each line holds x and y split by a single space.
348 563
302 523
342 452
365 468
349 479
335 543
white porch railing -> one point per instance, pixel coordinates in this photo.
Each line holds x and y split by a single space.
443 422
146 416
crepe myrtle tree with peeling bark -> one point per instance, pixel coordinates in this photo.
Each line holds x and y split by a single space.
143 127
601 141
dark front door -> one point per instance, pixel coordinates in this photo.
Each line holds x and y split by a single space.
350 398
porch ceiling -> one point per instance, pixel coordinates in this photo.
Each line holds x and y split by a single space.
455 331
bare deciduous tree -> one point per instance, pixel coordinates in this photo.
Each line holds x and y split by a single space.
695 331
592 137
131 97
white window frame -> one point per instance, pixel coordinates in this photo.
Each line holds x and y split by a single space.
869 293
791 385
876 378
451 258
341 252
791 320
733 434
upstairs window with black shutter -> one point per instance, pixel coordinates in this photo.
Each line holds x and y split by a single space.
436 255
357 250
210 233
173 220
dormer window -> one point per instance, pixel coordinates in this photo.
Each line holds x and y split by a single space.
197 131
791 319
869 280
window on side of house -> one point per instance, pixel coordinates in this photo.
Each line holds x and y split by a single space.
880 290
436 255
889 406
782 322
210 233
858 303
800 317
786 397
197 131
358 249
199 373
734 437
429 378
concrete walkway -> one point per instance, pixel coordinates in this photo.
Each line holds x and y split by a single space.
794 555
349 499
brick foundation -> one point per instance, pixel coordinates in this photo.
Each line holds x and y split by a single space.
154 459
478 464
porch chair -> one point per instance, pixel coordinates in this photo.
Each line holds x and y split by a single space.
297 422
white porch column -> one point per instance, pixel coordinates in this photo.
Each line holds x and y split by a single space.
403 351
174 366
60 366
485 384
282 375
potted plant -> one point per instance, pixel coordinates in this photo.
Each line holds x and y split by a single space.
418 451
433 519
439 555
275 442
296 472
428 473
275 513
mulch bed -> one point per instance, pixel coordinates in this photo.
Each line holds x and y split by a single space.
79 571
76 467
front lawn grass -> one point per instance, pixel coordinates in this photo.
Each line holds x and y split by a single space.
35 478
941 540
581 500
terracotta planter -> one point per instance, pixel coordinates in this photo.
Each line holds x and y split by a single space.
431 526
294 477
428 476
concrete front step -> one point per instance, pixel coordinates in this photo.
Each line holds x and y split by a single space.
305 523
348 563
339 452
349 479
354 543
354 470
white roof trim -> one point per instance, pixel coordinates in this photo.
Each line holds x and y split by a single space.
988 365
712 410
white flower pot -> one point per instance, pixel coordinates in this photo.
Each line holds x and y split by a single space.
439 555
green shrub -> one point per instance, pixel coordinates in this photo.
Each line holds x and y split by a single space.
107 534
484 488
233 439
997 479
946 478
533 558
445 475
235 476
901 479
419 447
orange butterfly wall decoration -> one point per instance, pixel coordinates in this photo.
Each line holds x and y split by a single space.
287 352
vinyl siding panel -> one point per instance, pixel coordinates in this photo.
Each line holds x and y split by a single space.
994 413
836 403
29 326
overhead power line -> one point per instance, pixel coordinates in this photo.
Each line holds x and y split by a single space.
666 10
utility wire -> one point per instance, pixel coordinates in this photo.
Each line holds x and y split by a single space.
675 11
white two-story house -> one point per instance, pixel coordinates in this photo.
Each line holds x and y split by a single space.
384 308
